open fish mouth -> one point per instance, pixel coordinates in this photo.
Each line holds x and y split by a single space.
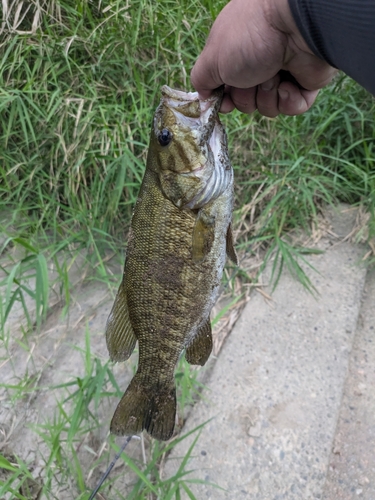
201 117
189 105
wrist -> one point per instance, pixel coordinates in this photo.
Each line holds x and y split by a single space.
281 18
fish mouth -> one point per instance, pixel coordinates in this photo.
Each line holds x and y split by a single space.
181 96
178 95
187 105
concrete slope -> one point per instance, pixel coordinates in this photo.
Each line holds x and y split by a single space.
275 392
352 463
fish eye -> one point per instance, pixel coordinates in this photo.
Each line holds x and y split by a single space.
165 137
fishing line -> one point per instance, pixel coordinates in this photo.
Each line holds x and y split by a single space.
111 465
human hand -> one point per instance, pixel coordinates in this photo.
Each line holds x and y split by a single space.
256 50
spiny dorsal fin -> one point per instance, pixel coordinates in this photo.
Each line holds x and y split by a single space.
198 352
119 331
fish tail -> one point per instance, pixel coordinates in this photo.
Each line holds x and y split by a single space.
146 407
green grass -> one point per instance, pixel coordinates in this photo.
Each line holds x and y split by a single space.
79 82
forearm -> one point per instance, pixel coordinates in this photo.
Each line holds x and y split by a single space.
341 32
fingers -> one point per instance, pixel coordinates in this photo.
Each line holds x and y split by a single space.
227 105
270 99
267 99
242 99
202 80
293 100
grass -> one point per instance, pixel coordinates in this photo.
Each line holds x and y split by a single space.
79 82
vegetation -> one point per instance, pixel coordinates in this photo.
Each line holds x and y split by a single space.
79 82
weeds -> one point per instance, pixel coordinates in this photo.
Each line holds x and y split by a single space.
31 267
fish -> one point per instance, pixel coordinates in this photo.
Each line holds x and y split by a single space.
180 234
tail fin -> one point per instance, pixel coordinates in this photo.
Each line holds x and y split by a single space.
146 407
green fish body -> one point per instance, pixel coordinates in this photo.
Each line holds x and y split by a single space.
180 235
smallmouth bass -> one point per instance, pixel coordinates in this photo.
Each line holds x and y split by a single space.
179 237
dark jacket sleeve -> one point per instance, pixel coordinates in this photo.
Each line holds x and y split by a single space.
342 32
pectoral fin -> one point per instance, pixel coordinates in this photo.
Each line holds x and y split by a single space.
231 252
200 348
203 236
119 331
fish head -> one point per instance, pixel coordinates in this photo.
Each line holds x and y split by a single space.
188 148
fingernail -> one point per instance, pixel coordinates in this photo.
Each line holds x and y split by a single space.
283 94
267 86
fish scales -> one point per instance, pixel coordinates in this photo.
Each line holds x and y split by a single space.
180 233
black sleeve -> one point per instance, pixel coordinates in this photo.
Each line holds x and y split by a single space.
342 32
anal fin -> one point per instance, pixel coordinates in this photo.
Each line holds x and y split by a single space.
119 332
198 352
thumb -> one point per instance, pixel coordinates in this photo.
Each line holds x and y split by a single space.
204 76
